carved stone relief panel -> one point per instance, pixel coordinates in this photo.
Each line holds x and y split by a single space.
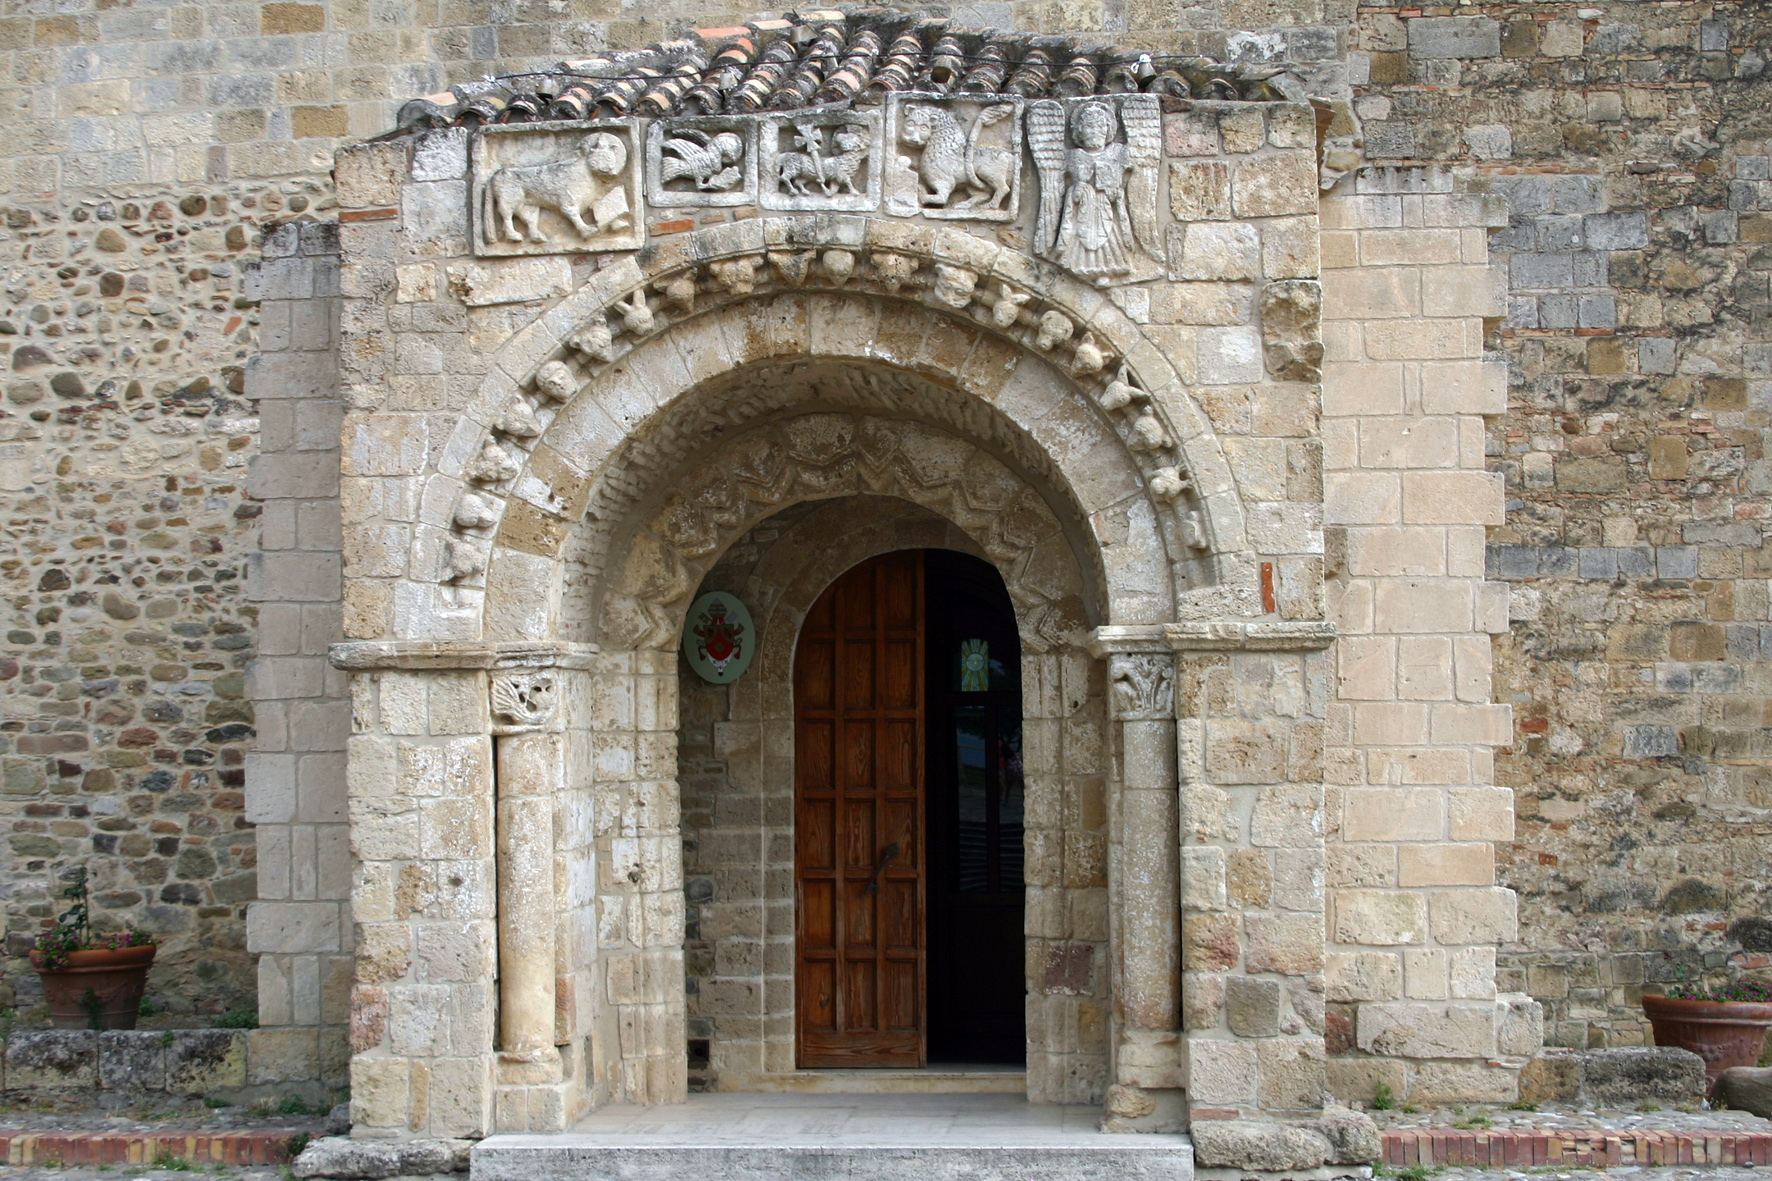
1098 161
818 160
705 161
560 189
954 158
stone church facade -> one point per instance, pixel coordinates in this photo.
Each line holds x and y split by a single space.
1228 383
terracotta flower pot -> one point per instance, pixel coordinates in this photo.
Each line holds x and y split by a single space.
116 978
1723 1033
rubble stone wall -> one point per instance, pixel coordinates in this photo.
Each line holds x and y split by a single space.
1631 144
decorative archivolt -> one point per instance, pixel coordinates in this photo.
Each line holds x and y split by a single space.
1028 315
822 456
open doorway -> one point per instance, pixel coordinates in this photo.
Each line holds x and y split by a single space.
908 817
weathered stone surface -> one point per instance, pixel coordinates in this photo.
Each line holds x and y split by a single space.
1259 1145
1636 1075
199 1061
48 1060
1745 1088
1552 1077
342 1159
1352 1135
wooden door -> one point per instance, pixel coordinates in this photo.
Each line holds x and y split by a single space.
858 814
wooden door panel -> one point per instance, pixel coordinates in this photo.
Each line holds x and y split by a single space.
816 835
815 755
818 919
818 995
858 703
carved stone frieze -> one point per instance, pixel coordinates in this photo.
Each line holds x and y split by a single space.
704 162
1098 162
1141 686
826 160
556 190
963 158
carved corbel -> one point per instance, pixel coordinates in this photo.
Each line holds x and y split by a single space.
594 340
636 315
1120 391
1006 305
954 286
518 420
1088 357
679 291
894 269
555 381
493 465
838 264
1168 483
1141 686
1055 329
792 266
524 701
1148 433
462 559
473 511
1193 531
737 275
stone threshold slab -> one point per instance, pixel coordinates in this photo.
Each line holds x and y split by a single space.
756 1137
1598 1148
925 1081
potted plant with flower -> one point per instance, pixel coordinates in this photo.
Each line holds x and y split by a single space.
91 981
1725 1025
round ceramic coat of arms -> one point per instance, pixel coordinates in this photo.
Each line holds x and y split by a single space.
719 638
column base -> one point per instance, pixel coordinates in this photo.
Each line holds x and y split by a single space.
540 1107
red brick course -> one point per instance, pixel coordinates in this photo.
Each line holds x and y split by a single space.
143 1148
1598 1148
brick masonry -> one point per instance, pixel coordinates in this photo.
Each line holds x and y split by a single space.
1445 1147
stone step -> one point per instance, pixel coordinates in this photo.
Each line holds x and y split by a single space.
925 1081
760 1137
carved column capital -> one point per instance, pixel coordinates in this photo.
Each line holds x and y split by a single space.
525 701
1141 686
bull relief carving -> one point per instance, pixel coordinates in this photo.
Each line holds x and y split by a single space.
1098 165
967 161
542 192
818 162
705 162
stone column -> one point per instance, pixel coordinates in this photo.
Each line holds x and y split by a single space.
1145 1093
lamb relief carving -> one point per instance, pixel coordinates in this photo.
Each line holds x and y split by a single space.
552 193
825 161
1097 160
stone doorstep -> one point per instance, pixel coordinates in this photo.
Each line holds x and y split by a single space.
497 1159
141 1148
1600 1148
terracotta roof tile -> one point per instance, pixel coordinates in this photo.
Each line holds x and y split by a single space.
830 56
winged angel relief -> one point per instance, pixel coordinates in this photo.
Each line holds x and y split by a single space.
1098 185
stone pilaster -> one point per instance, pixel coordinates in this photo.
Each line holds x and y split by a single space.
459 884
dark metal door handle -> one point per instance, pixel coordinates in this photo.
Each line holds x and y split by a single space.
873 886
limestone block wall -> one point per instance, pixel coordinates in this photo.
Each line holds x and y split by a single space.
300 927
1638 249
1414 814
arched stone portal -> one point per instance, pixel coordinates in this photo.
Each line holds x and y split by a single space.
554 442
